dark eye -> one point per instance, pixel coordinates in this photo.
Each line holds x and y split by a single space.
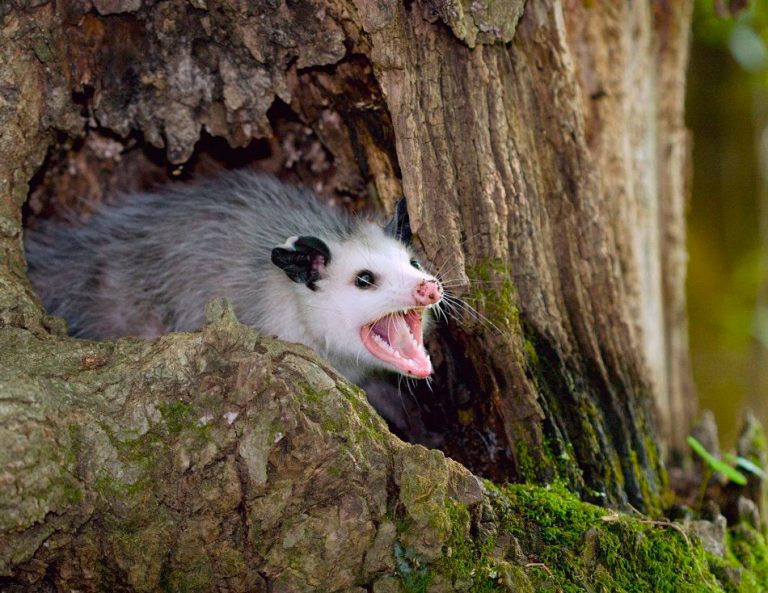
415 263
365 279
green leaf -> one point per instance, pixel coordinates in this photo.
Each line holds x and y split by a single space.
716 464
747 465
699 448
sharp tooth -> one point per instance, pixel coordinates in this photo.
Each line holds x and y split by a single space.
383 343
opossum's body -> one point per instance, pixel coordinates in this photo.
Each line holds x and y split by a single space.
291 267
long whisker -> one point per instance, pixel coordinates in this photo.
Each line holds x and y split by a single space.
442 271
450 283
456 305
429 383
438 311
400 380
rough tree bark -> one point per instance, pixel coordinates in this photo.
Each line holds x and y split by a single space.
542 151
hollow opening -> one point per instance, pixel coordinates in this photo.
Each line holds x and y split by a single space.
336 139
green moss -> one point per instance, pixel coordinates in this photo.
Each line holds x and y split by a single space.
138 456
564 461
571 546
42 47
310 395
68 485
494 294
231 561
314 402
556 383
748 548
652 452
195 577
527 467
370 426
72 493
568 393
427 513
75 444
116 490
645 487
468 562
585 547
412 570
359 401
530 351
176 416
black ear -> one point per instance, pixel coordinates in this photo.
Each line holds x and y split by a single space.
400 227
303 259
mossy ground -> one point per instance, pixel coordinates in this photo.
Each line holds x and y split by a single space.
589 548
536 538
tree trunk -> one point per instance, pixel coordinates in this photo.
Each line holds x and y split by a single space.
542 150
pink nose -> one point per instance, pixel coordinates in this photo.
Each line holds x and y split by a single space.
428 292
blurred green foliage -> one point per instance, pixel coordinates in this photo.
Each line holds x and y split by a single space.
744 34
727 111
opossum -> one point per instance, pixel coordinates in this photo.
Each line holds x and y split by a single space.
291 266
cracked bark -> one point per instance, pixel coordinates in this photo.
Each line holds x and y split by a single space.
542 152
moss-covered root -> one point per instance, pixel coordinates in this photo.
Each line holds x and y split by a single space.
526 538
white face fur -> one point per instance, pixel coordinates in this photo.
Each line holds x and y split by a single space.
367 307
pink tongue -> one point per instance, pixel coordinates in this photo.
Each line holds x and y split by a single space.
394 329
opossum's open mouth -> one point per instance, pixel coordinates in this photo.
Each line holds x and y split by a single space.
397 339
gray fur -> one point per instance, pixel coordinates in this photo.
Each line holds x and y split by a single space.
147 265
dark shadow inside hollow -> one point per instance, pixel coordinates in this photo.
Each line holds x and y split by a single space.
79 173
325 143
